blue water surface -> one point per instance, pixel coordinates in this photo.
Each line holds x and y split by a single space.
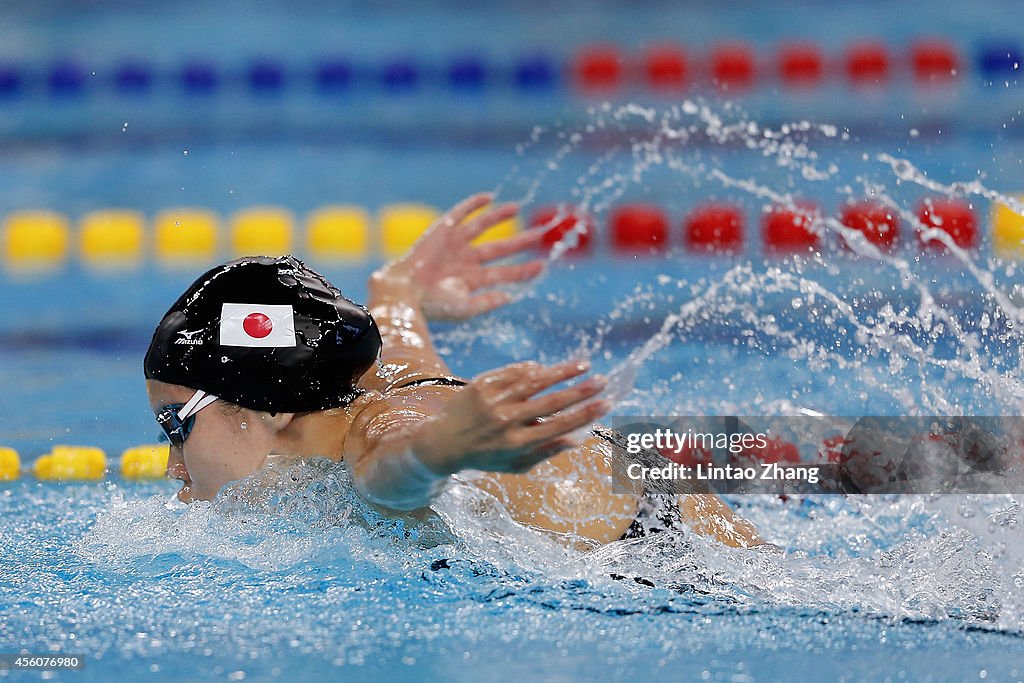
312 584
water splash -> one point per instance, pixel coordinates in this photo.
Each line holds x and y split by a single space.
281 517
674 147
907 324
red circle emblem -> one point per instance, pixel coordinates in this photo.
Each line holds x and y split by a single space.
257 325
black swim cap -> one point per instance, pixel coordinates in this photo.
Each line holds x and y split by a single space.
268 334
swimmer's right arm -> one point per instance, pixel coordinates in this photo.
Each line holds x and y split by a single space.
401 452
444 276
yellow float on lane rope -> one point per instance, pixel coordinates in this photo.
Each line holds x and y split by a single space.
402 224
262 231
112 237
145 462
1008 231
36 239
10 464
338 233
71 463
186 235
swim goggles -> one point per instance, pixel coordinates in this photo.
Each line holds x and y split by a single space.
177 419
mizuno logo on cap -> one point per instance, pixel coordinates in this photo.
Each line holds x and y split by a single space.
257 325
186 338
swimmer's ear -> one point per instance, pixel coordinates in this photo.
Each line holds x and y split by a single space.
277 421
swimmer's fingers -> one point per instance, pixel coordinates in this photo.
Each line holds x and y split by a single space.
520 381
563 423
497 382
540 409
530 379
501 275
529 239
486 302
485 220
479 304
461 211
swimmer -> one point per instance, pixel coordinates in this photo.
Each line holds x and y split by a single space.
263 358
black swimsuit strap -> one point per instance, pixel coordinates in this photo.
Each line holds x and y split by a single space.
655 512
446 381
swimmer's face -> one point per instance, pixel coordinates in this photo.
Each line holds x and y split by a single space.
219 449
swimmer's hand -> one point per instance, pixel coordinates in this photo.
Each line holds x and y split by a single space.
445 273
497 423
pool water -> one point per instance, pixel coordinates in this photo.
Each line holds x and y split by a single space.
302 579
866 591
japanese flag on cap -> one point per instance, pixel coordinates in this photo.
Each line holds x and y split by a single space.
260 325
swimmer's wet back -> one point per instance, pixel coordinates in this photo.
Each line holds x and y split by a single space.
268 334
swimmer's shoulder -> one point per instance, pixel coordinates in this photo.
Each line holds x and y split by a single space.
407 401
423 392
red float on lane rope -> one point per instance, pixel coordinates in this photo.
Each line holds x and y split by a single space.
732 66
934 61
665 68
801 65
776 450
598 68
878 223
867 63
560 220
638 228
788 230
954 216
714 228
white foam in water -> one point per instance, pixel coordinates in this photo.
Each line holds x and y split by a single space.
905 557
916 557
280 517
